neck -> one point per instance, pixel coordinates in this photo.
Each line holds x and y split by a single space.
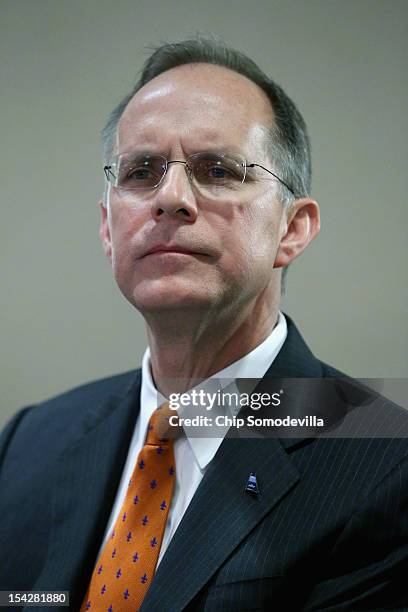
187 347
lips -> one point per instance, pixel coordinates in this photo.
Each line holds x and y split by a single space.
160 248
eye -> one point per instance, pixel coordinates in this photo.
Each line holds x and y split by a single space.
139 174
218 172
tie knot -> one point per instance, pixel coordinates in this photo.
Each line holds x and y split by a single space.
160 428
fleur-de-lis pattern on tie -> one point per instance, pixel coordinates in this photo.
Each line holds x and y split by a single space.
125 569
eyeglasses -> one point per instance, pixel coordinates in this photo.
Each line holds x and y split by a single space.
212 173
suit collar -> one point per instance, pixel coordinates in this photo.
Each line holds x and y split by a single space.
295 359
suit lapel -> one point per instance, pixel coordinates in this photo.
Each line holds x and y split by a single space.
86 479
219 517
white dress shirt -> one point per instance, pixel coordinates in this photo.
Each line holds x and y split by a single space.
192 455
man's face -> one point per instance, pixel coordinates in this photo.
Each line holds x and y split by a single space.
222 250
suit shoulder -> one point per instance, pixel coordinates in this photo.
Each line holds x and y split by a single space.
110 385
59 417
370 422
90 393
363 389
329 371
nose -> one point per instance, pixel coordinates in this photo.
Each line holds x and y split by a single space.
174 196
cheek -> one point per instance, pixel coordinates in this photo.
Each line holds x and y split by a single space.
265 219
248 237
255 236
125 219
125 224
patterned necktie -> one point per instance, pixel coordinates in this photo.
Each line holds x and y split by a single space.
126 566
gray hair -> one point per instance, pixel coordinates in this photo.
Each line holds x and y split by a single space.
288 143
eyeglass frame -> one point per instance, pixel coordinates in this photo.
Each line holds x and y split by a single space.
108 171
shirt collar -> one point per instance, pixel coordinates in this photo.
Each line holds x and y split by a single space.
253 365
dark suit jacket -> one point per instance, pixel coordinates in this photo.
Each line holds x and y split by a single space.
329 531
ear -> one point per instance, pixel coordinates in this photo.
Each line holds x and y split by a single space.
300 227
104 231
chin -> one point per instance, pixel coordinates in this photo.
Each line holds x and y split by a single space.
170 298
186 304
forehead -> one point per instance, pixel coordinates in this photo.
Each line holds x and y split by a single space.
196 106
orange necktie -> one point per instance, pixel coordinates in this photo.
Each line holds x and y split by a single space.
126 566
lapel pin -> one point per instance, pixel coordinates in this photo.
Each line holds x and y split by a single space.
252 486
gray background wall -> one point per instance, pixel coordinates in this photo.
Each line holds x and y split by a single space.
65 63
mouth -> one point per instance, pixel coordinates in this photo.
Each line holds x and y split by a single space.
169 250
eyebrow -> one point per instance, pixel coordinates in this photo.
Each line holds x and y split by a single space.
139 153
215 150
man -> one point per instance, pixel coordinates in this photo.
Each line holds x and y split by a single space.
206 204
